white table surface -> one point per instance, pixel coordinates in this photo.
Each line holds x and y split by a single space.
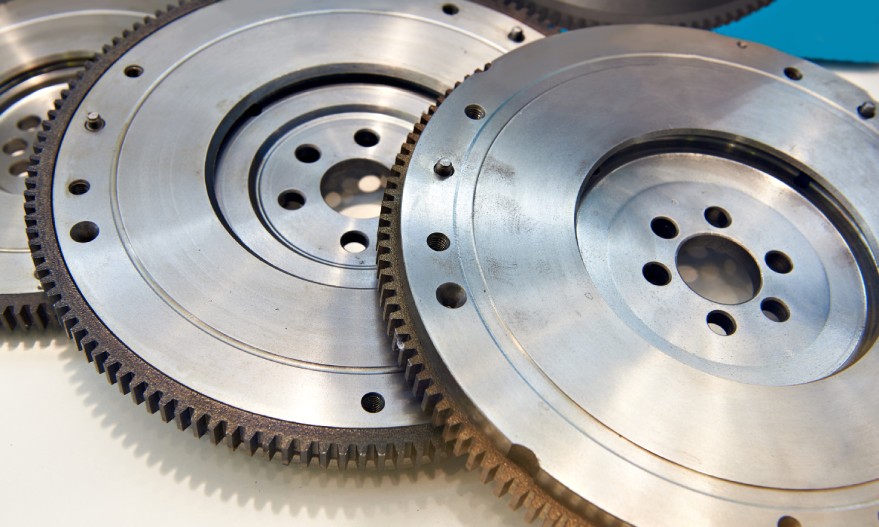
75 452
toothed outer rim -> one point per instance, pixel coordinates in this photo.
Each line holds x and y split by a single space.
706 19
524 14
429 380
29 311
289 442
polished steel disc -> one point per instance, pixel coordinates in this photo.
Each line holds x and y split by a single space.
42 45
205 210
704 14
633 270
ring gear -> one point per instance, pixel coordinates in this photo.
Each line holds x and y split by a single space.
200 209
47 41
639 306
573 14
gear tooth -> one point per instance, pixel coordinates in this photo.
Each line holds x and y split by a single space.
201 424
233 440
151 401
167 410
518 495
271 448
111 370
533 511
138 392
488 473
502 486
184 419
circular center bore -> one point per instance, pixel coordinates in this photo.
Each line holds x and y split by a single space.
355 187
718 269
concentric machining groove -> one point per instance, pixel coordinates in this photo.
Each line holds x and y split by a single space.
376 443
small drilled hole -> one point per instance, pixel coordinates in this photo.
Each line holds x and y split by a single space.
775 310
15 147
19 169
438 241
372 402
656 273
450 9
366 138
451 295
718 217
307 153
133 71
793 73
291 200
474 111
664 228
721 323
354 242
79 187
84 232
29 123
789 521
779 262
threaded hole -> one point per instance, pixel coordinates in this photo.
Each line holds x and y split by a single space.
372 402
79 187
438 241
474 111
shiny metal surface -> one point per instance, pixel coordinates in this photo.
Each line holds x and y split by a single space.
695 13
214 193
42 44
650 284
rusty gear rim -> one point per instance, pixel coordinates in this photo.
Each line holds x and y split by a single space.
341 410
704 14
47 41
568 457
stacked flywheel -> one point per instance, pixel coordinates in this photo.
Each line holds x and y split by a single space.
628 271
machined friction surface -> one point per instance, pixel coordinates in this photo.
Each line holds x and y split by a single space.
231 203
42 45
573 14
654 307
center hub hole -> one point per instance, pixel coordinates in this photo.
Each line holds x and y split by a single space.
718 269
355 187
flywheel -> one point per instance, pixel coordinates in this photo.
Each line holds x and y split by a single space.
44 43
633 271
204 208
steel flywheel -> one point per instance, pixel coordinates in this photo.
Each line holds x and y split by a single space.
43 43
705 14
632 269
203 211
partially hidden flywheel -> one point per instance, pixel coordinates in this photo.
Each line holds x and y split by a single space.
42 45
633 271
204 208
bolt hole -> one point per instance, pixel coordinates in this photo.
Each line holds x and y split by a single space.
19 169
354 242
84 232
789 521
793 73
79 187
721 323
438 242
372 402
29 123
779 262
775 310
291 200
450 9
451 295
133 71
307 153
366 138
718 217
664 227
656 273
474 111
15 147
